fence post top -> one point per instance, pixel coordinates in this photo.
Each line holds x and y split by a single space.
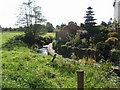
79 71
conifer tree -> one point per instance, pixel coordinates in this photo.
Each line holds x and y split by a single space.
90 21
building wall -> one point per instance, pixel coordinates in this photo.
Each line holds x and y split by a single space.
117 10
61 35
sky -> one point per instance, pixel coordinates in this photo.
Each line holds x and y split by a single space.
58 11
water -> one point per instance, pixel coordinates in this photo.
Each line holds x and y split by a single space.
43 51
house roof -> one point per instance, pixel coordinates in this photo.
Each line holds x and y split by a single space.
71 27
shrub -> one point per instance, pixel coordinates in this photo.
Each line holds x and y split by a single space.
72 32
19 37
111 41
115 56
13 43
101 36
77 40
102 51
48 40
113 34
69 43
35 47
118 45
64 50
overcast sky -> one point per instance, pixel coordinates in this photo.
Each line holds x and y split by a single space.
58 11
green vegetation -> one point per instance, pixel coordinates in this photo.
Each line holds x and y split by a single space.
94 49
49 34
7 35
30 17
90 21
97 42
24 68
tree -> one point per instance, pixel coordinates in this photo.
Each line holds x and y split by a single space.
29 17
82 25
90 21
50 27
57 26
38 19
104 24
62 26
71 22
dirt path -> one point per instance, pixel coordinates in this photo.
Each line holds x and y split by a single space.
51 51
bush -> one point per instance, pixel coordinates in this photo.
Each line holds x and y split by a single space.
48 40
115 56
101 36
113 34
72 33
77 40
38 40
118 45
69 43
35 47
64 50
57 47
111 41
13 43
102 51
19 37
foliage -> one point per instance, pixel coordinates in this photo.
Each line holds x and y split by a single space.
115 56
8 29
50 27
112 41
104 24
90 21
57 27
7 35
113 34
71 29
102 51
23 68
30 16
102 35
14 42
102 27
62 26
77 42
116 26
118 45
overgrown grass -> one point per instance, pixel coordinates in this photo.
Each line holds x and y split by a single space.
24 68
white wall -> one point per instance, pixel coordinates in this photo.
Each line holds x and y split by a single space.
117 10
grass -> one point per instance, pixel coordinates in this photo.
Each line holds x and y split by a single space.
24 68
49 34
7 35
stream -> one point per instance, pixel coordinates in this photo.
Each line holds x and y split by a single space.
43 51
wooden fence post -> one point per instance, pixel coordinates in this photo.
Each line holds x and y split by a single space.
80 79
54 57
